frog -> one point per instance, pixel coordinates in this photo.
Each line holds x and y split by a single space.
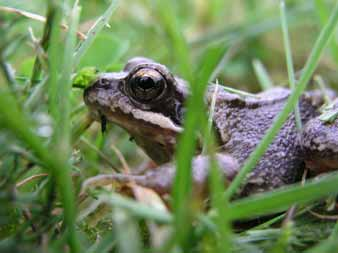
147 100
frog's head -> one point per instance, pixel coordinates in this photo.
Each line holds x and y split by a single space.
319 140
146 100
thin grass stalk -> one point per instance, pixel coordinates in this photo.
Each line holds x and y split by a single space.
289 61
262 75
44 44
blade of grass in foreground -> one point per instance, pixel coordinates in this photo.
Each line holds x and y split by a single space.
221 219
282 199
187 142
54 61
216 185
63 121
59 104
195 118
310 66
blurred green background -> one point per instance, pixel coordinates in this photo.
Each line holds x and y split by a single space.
251 27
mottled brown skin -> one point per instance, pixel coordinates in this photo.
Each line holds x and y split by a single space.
240 122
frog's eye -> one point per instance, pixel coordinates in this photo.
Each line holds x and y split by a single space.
146 85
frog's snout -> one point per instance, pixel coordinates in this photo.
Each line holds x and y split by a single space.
100 90
90 93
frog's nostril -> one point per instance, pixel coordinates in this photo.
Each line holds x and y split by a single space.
103 82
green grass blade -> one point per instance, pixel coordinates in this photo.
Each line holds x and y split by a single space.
310 66
54 60
65 85
282 199
59 102
289 61
187 141
195 120
222 219
94 31
216 185
262 75
322 87
44 44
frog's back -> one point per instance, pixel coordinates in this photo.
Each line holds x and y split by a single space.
241 124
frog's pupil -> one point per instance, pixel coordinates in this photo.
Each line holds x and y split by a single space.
146 83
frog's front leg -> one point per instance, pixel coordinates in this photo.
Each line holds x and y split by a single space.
319 141
161 179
